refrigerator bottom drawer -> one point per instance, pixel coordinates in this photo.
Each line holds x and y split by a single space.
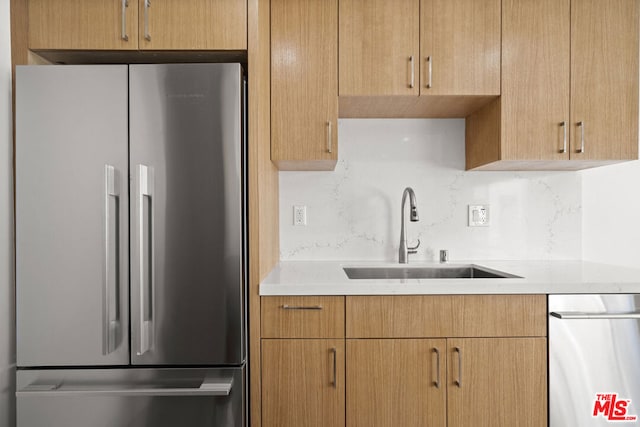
131 398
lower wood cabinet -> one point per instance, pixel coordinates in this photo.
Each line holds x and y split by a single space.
396 382
303 383
497 382
465 367
492 382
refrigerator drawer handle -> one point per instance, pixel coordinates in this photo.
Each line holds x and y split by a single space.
110 280
217 387
571 315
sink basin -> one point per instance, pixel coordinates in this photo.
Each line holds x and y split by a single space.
437 272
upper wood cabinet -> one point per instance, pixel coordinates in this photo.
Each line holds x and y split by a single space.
379 47
304 84
138 24
446 51
83 24
460 47
604 80
569 88
193 24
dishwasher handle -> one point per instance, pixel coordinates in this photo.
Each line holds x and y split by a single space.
573 315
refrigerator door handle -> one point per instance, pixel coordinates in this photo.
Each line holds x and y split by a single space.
594 316
111 281
209 387
146 278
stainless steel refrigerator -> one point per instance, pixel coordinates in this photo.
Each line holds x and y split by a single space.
131 245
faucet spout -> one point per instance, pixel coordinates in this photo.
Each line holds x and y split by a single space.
404 251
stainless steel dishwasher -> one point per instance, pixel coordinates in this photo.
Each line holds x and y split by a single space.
594 360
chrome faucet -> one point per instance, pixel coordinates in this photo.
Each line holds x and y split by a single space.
403 253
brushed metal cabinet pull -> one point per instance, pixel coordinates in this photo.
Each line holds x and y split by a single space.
147 5
125 5
301 307
581 150
564 140
429 72
329 138
458 382
436 382
413 73
334 383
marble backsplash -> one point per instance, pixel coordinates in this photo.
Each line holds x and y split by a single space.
353 213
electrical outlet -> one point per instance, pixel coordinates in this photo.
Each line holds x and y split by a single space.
478 215
299 215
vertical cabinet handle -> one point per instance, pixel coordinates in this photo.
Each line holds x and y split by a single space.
458 382
147 5
125 5
581 150
146 276
334 382
413 73
329 137
436 382
429 72
111 261
564 138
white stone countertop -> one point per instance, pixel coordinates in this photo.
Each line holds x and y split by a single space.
535 277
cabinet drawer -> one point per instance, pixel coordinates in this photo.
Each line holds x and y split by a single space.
446 316
302 317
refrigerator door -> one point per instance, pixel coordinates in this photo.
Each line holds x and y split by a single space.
131 397
594 360
71 215
186 214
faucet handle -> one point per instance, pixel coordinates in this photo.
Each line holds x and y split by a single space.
413 249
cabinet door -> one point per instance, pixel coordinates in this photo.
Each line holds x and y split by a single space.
460 47
304 83
82 24
396 382
604 79
379 47
497 382
535 79
303 383
193 24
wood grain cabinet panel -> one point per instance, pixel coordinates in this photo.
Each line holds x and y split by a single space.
379 47
396 382
497 382
445 316
460 47
604 79
303 383
83 24
138 24
302 317
193 24
304 84
445 51
569 88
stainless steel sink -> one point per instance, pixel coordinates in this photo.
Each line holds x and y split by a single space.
469 271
